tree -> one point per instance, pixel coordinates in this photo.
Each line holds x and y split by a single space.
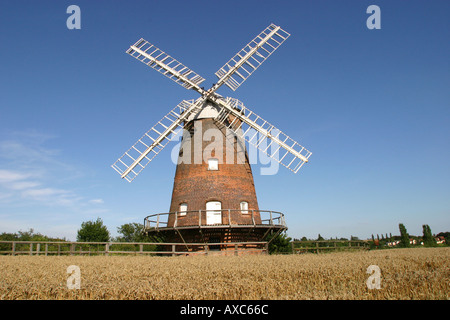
319 238
428 239
131 232
280 244
93 231
404 236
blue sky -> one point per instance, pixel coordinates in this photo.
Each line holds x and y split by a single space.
372 105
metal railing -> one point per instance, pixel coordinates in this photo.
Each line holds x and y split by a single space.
228 217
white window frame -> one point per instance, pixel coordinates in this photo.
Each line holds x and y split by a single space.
183 209
244 207
214 216
213 164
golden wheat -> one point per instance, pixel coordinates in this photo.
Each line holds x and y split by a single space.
421 273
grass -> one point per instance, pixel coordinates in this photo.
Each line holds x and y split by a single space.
416 273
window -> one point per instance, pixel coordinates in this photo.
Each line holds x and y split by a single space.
213 212
183 209
244 207
213 164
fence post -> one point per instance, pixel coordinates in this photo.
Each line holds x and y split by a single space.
317 247
173 250
38 248
235 249
46 249
141 248
292 246
107 249
31 248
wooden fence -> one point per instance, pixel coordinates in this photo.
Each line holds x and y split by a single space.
156 248
328 245
137 248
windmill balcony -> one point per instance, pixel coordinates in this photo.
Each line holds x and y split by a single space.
210 219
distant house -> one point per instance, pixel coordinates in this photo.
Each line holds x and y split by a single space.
393 243
440 239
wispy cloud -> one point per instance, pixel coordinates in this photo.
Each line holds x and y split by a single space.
24 185
96 201
8 176
33 172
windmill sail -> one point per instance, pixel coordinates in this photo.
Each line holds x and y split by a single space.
246 61
264 136
160 61
132 162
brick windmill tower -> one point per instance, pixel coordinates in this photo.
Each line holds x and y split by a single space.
213 198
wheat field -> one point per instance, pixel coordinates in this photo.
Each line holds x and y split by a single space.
419 273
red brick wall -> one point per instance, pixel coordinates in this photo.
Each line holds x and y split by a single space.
195 185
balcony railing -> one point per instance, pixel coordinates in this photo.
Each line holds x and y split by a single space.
228 217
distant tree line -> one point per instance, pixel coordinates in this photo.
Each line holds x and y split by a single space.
320 238
29 235
90 231
403 240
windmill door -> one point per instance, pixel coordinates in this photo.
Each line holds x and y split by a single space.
213 212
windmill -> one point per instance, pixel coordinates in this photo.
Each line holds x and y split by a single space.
213 200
